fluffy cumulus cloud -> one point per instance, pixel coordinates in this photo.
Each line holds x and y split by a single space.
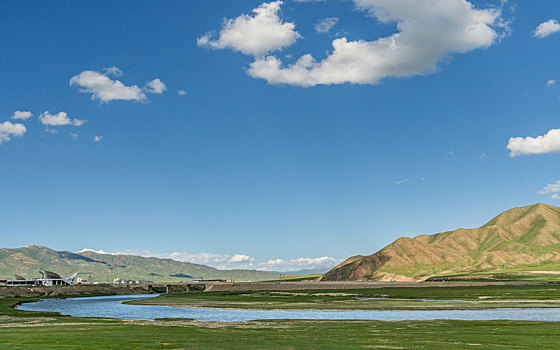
237 261
155 86
59 119
547 28
324 262
240 258
325 25
105 89
428 32
101 251
552 189
548 143
215 260
22 115
9 130
255 34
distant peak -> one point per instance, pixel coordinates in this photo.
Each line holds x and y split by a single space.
515 214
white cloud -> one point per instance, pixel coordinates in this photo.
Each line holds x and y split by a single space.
9 130
429 32
407 180
235 261
299 264
549 143
256 34
326 24
97 138
155 86
113 71
22 115
553 189
59 119
550 83
240 258
547 28
215 260
74 136
309 0
182 92
106 89
86 250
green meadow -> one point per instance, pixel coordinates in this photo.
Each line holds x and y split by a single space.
30 330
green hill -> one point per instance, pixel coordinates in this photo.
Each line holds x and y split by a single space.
519 242
27 261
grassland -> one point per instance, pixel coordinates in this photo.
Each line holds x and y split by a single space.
397 298
26 330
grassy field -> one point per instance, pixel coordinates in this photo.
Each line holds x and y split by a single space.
26 330
405 298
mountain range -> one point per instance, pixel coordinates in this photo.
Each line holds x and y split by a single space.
520 241
27 261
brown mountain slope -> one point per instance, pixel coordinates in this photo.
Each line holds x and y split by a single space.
520 239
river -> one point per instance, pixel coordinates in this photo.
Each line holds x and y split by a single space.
112 307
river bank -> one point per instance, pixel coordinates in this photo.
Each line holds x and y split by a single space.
27 330
77 290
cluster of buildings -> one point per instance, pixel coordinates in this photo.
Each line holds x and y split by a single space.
47 279
119 282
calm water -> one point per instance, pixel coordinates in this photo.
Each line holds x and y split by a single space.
110 307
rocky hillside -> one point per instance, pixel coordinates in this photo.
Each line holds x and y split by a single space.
521 240
27 261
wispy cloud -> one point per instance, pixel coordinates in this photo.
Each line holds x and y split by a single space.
325 25
553 189
401 182
407 180
114 71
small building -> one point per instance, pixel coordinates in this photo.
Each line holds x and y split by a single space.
48 278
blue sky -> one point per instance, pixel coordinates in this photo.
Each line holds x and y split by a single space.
262 159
